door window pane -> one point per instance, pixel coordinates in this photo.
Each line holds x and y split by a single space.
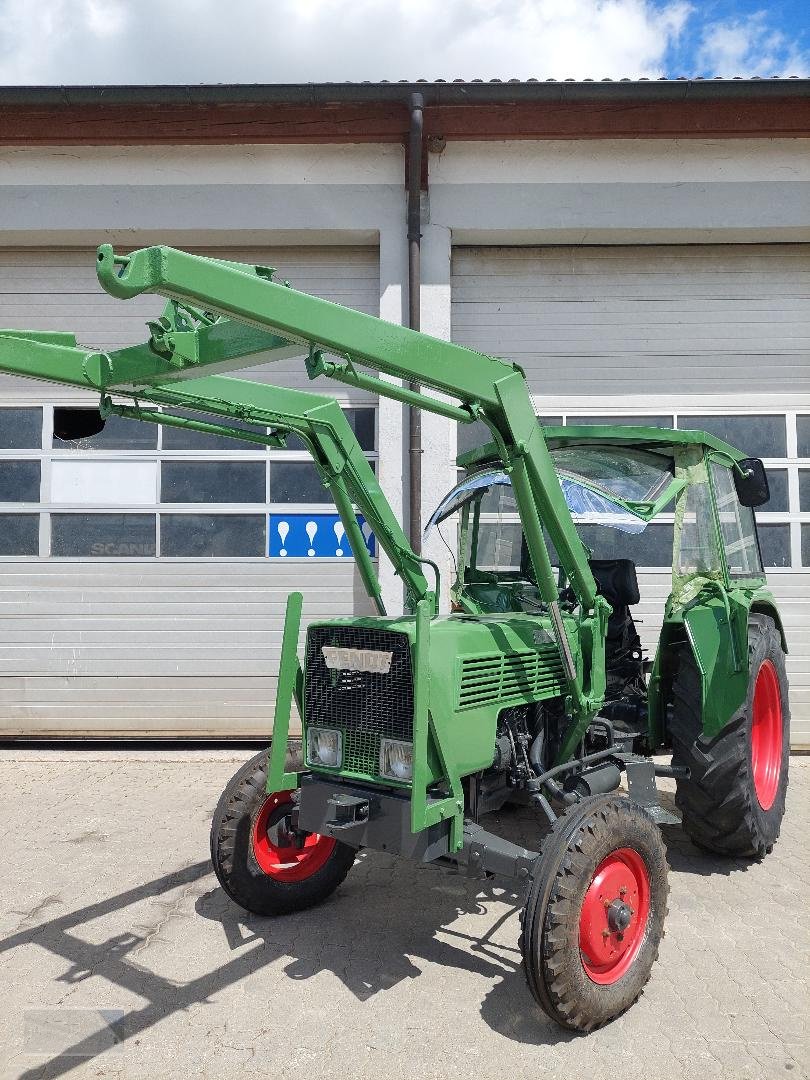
698 546
198 536
118 433
103 535
774 543
631 421
20 429
778 486
755 436
805 545
212 481
187 439
19 481
737 527
19 534
296 482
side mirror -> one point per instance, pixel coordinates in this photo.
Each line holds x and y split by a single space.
72 424
751 482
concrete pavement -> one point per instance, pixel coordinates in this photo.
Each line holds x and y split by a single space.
121 958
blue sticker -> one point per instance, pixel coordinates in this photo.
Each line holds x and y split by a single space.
316 536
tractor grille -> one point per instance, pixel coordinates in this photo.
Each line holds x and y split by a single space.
526 676
365 706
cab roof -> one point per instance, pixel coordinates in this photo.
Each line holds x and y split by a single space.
640 438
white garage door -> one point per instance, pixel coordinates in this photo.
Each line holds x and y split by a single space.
714 337
137 595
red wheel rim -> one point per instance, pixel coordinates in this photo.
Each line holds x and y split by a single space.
284 861
613 919
766 735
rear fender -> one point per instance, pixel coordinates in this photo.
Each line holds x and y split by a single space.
717 630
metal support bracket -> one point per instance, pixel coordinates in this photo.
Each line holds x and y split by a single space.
484 852
642 791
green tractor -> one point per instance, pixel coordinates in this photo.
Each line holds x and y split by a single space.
534 689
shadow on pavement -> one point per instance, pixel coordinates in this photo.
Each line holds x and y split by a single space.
384 950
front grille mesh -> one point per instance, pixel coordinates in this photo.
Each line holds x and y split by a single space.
364 705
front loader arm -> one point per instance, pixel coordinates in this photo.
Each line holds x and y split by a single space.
221 312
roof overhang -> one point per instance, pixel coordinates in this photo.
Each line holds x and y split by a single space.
379 112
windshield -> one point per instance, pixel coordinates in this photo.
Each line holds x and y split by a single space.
587 507
634 475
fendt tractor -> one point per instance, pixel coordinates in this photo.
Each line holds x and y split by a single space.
534 689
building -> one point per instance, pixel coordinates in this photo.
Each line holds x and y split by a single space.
642 249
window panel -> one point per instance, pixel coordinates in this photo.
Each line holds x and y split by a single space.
774 543
187 439
803 435
20 429
498 547
633 421
778 486
19 534
118 433
805 545
105 483
804 490
471 436
361 421
197 536
103 535
756 436
212 481
653 547
19 481
296 482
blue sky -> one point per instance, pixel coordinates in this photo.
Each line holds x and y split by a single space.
197 41
757 37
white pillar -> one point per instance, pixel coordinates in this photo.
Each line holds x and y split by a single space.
392 417
438 434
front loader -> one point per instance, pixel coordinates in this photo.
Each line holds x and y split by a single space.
534 689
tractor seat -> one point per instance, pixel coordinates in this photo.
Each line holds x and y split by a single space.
616 580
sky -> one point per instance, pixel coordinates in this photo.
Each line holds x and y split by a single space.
275 41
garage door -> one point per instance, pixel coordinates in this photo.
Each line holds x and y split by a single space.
142 583
714 337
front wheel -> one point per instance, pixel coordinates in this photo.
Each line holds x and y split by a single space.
261 862
595 913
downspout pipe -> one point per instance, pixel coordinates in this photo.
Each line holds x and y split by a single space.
414 181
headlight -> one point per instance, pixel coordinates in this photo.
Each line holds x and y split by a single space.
396 759
324 747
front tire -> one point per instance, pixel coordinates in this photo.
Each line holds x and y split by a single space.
595 913
734 800
255 855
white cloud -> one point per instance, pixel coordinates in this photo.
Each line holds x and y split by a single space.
749 47
194 41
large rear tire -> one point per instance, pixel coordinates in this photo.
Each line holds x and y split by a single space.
734 800
595 913
258 860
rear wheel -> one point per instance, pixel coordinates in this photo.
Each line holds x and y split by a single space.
260 860
595 912
734 800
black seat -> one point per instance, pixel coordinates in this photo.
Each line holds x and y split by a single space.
616 580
